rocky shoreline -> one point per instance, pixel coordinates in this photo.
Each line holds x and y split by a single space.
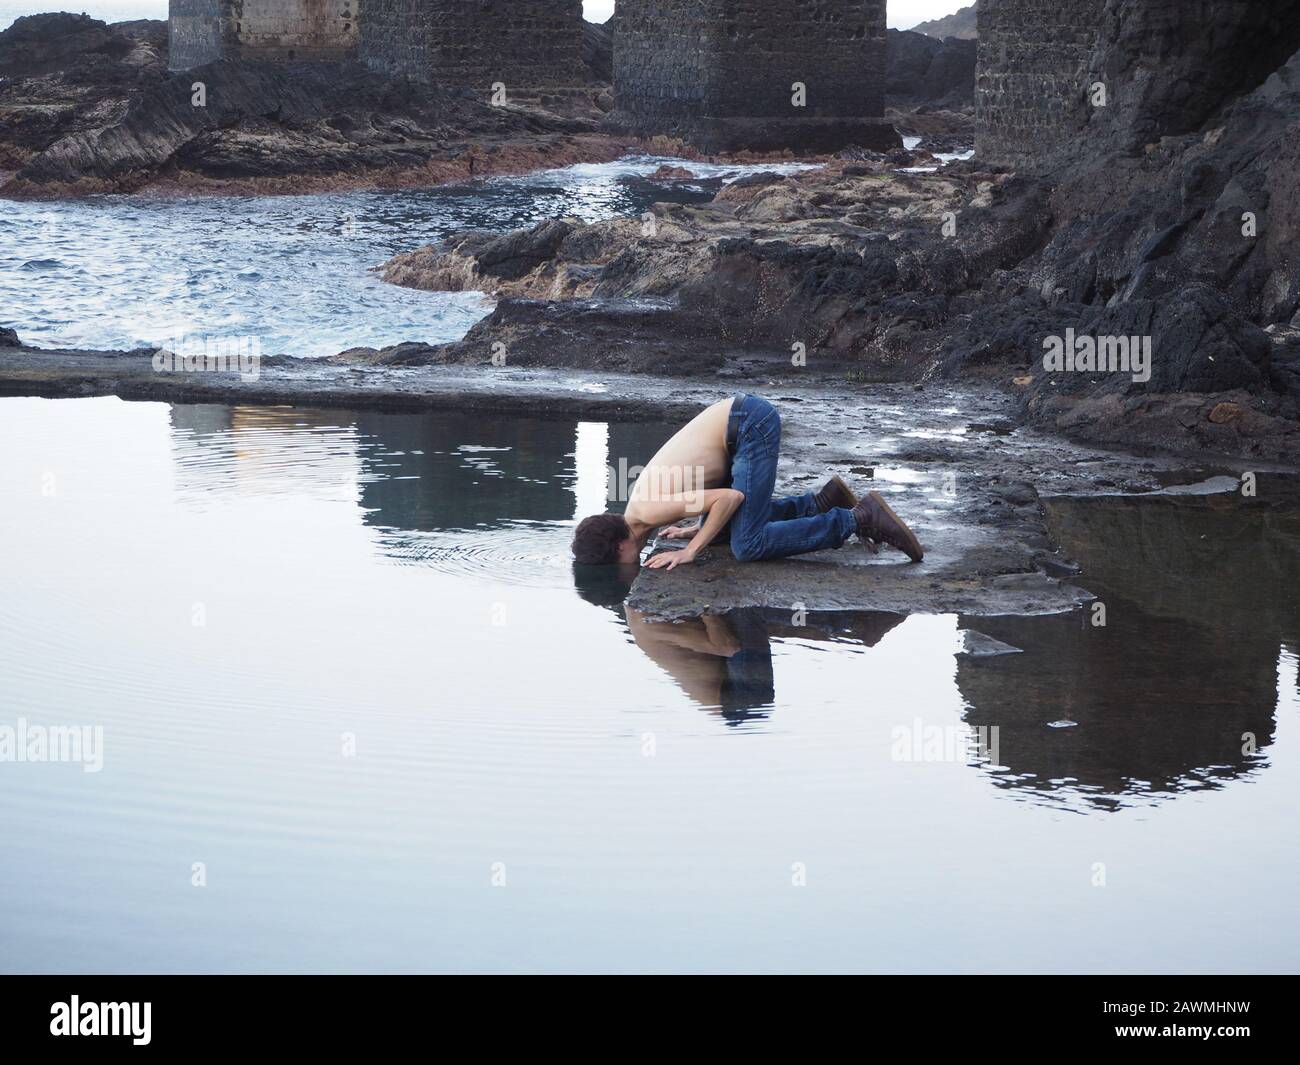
873 272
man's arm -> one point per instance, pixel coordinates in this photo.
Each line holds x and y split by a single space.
719 504
676 506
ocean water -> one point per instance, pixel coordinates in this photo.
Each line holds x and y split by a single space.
295 273
357 713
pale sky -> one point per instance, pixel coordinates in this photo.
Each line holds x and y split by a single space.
902 13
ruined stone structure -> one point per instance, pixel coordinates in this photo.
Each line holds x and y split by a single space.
1166 65
523 44
1033 76
202 31
721 74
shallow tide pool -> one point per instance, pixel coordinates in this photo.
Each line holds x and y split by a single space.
357 715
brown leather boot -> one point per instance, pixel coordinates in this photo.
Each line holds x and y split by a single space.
835 493
878 524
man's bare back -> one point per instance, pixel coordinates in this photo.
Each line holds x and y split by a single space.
694 459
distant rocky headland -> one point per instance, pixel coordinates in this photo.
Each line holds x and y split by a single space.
961 24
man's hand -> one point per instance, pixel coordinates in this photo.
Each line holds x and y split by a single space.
682 531
670 559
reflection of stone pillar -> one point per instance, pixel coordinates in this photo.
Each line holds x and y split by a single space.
200 419
629 446
473 471
722 74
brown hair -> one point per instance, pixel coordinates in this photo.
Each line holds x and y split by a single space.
596 539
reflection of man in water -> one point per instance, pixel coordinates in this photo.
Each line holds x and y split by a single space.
721 469
719 660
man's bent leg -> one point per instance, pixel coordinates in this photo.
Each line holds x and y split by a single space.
753 467
798 536
754 535
786 507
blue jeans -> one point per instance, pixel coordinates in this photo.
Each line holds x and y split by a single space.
765 527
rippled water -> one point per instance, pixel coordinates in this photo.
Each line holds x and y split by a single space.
340 659
293 271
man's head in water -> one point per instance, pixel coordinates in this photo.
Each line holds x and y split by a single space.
604 538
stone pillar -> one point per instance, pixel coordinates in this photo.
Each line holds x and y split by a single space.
201 31
522 44
762 75
193 33
1033 77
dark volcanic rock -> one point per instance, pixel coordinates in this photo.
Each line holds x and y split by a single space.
636 336
63 74
1170 66
80 47
924 70
598 51
510 256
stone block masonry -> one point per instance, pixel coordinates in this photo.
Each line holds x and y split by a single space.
202 31
721 74
1033 77
523 44
193 33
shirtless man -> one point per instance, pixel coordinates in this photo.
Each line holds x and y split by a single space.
721 468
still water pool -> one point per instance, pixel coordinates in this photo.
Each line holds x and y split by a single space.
357 715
